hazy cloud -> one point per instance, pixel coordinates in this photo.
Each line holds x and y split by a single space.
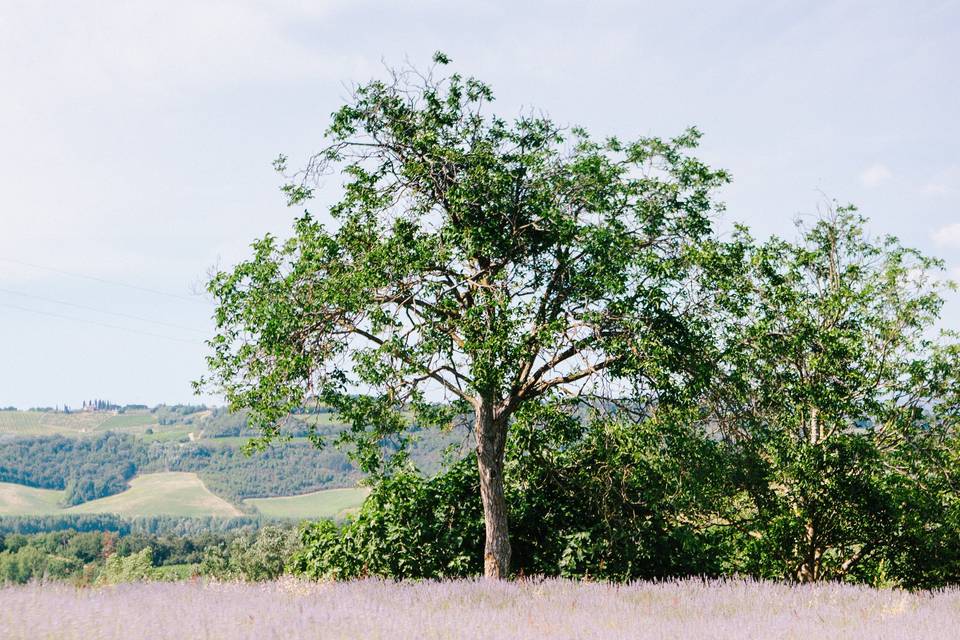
875 175
948 236
943 183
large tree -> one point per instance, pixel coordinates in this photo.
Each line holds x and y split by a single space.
473 265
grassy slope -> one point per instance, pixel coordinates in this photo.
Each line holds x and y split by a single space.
175 494
36 423
18 500
331 503
132 422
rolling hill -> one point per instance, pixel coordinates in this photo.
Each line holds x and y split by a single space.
174 494
171 493
178 494
19 500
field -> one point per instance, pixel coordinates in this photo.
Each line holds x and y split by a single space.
18 500
331 503
550 609
175 494
37 423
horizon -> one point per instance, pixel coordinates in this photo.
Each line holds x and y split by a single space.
140 141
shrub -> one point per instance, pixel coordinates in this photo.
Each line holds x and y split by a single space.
137 567
255 557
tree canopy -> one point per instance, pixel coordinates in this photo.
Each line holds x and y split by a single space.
838 391
473 265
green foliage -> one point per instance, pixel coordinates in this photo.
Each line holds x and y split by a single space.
255 557
837 396
288 470
107 522
824 449
487 262
86 468
408 527
133 568
471 256
22 564
612 498
109 558
50 556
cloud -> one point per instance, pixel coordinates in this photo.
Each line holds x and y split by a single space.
943 183
948 236
874 175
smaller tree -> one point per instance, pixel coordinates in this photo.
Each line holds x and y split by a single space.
833 393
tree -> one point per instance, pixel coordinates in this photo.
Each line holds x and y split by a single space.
474 266
834 395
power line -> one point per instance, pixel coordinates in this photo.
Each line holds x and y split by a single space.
102 324
112 313
103 280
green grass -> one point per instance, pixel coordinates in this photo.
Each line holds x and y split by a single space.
176 572
331 503
173 494
172 433
18 500
134 422
36 423
24 423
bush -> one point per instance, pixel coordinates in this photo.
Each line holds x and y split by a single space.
256 557
133 568
408 527
609 499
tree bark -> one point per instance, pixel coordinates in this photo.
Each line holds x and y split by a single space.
809 570
491 434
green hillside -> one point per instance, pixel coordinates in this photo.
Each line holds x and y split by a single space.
174 494
331 503
19 500
48 423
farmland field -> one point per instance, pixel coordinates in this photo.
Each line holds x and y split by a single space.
175 494
137 422
548 609
18 500
39 423
331 503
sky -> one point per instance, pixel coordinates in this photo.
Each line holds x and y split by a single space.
136 139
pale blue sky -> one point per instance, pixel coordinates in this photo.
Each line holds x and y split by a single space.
136 138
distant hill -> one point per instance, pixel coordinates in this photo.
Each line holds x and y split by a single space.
125 461
176 494
166 494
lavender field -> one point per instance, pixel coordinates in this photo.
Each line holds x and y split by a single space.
474 609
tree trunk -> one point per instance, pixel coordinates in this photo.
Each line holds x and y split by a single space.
809 570
491 434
